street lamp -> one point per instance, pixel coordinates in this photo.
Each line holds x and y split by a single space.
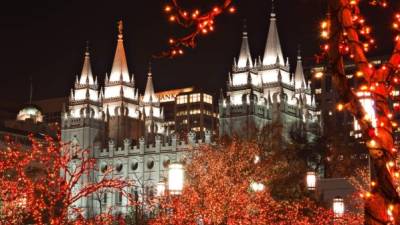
175 178
257 187
160 189
311 180
338 207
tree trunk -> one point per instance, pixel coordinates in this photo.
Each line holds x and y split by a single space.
382 207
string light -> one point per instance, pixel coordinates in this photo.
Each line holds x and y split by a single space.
51 185
193 20
340 107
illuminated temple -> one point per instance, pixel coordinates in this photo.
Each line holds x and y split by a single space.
124 131
263 91
137 138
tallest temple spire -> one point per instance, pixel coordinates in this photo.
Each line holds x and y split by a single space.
119 71
244 55
273 51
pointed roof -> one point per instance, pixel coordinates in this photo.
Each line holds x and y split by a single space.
299 80
244 55
149 95
273 48
120 67
86 74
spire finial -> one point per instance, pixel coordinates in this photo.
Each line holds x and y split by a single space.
120 29
244 28
299 52
272 8
31 90
87 48
149 69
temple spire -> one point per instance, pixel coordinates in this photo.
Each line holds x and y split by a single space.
86 74
149 95
273 48
120 67
299 80
245 55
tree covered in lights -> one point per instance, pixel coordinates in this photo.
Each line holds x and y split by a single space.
40 184
349 37
288 160
230 184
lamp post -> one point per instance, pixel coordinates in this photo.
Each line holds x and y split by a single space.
175 178
257 187
338 207
311 180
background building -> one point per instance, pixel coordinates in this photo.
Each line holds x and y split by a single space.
189 110
195 112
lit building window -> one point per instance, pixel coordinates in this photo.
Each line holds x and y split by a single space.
395 93
182 113
194 111
318 91
208 99
185 122
208 113
195 97
197 129
181 99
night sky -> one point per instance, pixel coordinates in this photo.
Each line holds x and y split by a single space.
46 40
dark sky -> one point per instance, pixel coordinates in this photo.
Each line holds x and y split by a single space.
46 39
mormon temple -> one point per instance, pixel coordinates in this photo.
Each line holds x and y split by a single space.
127 132
263 91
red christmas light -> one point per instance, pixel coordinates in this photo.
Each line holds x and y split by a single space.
370 104
199 24
39 184
218 190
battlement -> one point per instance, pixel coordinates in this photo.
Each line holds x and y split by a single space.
174 145
68 122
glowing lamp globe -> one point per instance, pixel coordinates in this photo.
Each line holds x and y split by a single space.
338 207
160 189
257 187
175 178
311 180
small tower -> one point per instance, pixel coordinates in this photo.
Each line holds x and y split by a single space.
84 101
82 123
150 105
